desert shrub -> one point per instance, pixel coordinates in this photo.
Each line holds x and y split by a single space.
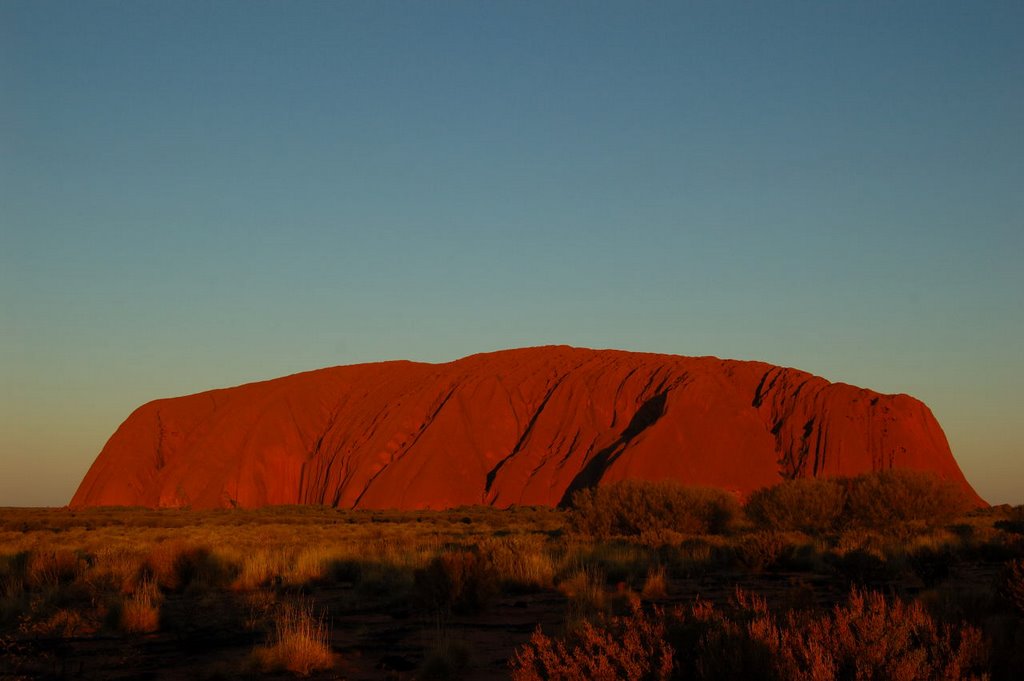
867 638
931 564
618 560
887 499
694 557
810 505
643 508
457 581
309 565
380 579
761 550
259 568
773 550
1012 587
299 642
12 573
52 568
115 569
656 584
954 601
175 565
865 566
873 638
585 591
630 648
13 597
276 566
447 659
520 563
713 644
1013 522
64 622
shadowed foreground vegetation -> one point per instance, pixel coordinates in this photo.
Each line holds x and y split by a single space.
885 576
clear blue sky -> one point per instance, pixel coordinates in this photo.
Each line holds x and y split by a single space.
196 195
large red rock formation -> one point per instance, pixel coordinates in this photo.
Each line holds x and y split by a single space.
514 427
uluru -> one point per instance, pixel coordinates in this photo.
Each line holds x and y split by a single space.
515 427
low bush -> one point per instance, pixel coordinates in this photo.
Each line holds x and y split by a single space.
456 581
1012 587
867 638
888 499
762 550
810 505
175 566
12 573
630 648
873 638
931 564
643 508
864 566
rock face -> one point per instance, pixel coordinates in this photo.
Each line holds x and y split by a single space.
523 426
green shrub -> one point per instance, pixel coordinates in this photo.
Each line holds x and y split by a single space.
806 504
643 508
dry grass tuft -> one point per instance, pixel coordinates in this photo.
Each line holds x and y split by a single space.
176 565
656 584
520 562
585 589
47 569
140 612
299 644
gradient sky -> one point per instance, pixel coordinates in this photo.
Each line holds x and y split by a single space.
196 195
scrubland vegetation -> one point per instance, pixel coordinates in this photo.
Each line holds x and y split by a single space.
883 576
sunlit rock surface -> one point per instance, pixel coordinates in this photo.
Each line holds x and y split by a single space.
525 426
